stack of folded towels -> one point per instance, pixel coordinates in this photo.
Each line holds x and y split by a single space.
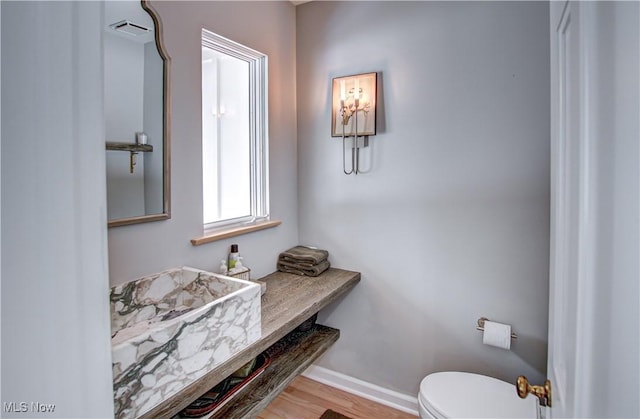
302 260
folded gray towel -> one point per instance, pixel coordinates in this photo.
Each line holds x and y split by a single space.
292 268
303 254
293 263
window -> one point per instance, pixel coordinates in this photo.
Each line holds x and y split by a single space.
234 133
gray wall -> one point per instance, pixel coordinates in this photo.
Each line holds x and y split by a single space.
268 27
451 223
56 342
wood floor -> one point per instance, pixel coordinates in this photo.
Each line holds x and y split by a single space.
308 399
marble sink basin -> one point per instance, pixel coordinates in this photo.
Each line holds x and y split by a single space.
170 328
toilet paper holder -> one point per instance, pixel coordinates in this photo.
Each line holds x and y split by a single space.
480 327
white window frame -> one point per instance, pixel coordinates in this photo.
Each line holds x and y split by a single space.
258 129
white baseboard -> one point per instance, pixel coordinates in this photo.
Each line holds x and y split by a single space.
394 399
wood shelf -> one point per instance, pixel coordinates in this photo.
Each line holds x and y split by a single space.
288 302
296 352
132 147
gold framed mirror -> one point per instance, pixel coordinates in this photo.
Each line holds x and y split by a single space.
137 115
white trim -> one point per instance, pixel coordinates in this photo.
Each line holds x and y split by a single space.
394 399
587 295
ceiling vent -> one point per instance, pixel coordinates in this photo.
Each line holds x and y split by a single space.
130 28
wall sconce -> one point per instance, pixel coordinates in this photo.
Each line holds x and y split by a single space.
354 114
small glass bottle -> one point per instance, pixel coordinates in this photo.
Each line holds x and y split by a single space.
233 256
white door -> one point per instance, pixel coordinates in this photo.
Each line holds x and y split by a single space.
595 96
567 174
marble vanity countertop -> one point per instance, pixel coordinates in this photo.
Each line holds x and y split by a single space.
289 300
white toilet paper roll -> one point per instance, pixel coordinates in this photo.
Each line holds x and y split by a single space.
497 334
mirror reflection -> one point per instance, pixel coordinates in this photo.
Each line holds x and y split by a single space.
135 117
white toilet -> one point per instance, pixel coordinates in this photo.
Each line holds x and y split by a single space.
467 395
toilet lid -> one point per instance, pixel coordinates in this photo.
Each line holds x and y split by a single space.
466 395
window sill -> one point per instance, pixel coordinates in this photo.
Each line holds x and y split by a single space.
234 231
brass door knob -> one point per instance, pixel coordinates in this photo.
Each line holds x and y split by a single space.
543 393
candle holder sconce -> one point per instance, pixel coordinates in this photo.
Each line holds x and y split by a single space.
354 114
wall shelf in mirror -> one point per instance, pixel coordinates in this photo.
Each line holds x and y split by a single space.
132 147
133 150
